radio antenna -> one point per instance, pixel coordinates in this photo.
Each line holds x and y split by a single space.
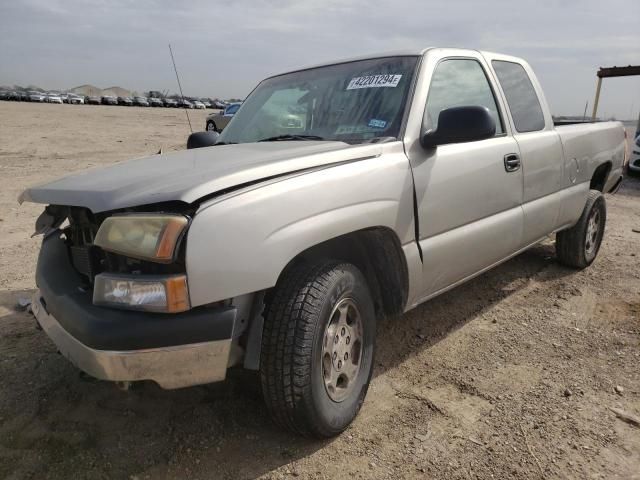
180 87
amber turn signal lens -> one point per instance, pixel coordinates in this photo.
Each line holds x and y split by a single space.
177 294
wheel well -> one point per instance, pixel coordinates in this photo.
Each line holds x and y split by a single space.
600 176
378 255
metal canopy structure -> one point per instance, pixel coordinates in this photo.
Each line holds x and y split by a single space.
607 72
618 71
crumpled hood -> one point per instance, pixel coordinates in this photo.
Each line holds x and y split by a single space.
189 175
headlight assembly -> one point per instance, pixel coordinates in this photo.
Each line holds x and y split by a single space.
152 237
134 292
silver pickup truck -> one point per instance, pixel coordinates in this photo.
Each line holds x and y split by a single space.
278 245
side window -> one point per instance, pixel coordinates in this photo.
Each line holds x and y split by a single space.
457 83
521 96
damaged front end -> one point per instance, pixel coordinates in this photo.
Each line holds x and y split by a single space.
113 296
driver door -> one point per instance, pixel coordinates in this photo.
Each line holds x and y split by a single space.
469 204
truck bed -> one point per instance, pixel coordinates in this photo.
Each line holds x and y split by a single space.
587 145
559 123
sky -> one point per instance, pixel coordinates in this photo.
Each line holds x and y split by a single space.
223 48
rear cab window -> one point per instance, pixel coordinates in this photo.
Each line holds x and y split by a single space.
522 99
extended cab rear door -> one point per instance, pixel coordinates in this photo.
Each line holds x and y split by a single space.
539 144
468 202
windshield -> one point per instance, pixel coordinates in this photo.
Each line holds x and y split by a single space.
352 102
232 109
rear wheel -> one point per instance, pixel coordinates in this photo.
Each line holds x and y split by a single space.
211 127
578 246
317 348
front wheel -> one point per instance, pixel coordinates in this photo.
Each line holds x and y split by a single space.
211 127
317 348
578 246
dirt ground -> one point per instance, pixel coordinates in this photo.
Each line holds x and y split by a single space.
509 376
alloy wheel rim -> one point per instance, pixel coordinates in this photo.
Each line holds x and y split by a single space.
593 228
342 350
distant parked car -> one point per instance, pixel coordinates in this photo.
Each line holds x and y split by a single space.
217 121
23 96
199 105
218 104
37 97
184 103
634 162
92 100
170 102
74 99
140 101
126 101
53 98
109 100
155 102
206 103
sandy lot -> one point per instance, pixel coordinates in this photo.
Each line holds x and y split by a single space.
509 376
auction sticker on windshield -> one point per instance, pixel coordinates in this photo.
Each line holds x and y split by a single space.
375 123
374 81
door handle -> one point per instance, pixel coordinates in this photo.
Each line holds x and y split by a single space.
512 162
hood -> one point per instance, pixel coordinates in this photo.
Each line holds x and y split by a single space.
189 175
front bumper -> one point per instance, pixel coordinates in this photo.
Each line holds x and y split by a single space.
173 350
170 367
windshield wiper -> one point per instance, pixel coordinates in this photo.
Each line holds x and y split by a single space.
286 137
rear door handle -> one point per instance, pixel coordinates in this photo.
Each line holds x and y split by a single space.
512 162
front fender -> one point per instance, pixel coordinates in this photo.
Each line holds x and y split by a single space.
240 243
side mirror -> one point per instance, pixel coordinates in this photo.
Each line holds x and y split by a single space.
202 139
460 124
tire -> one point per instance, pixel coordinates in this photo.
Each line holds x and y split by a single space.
211 127
578 246
297 360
